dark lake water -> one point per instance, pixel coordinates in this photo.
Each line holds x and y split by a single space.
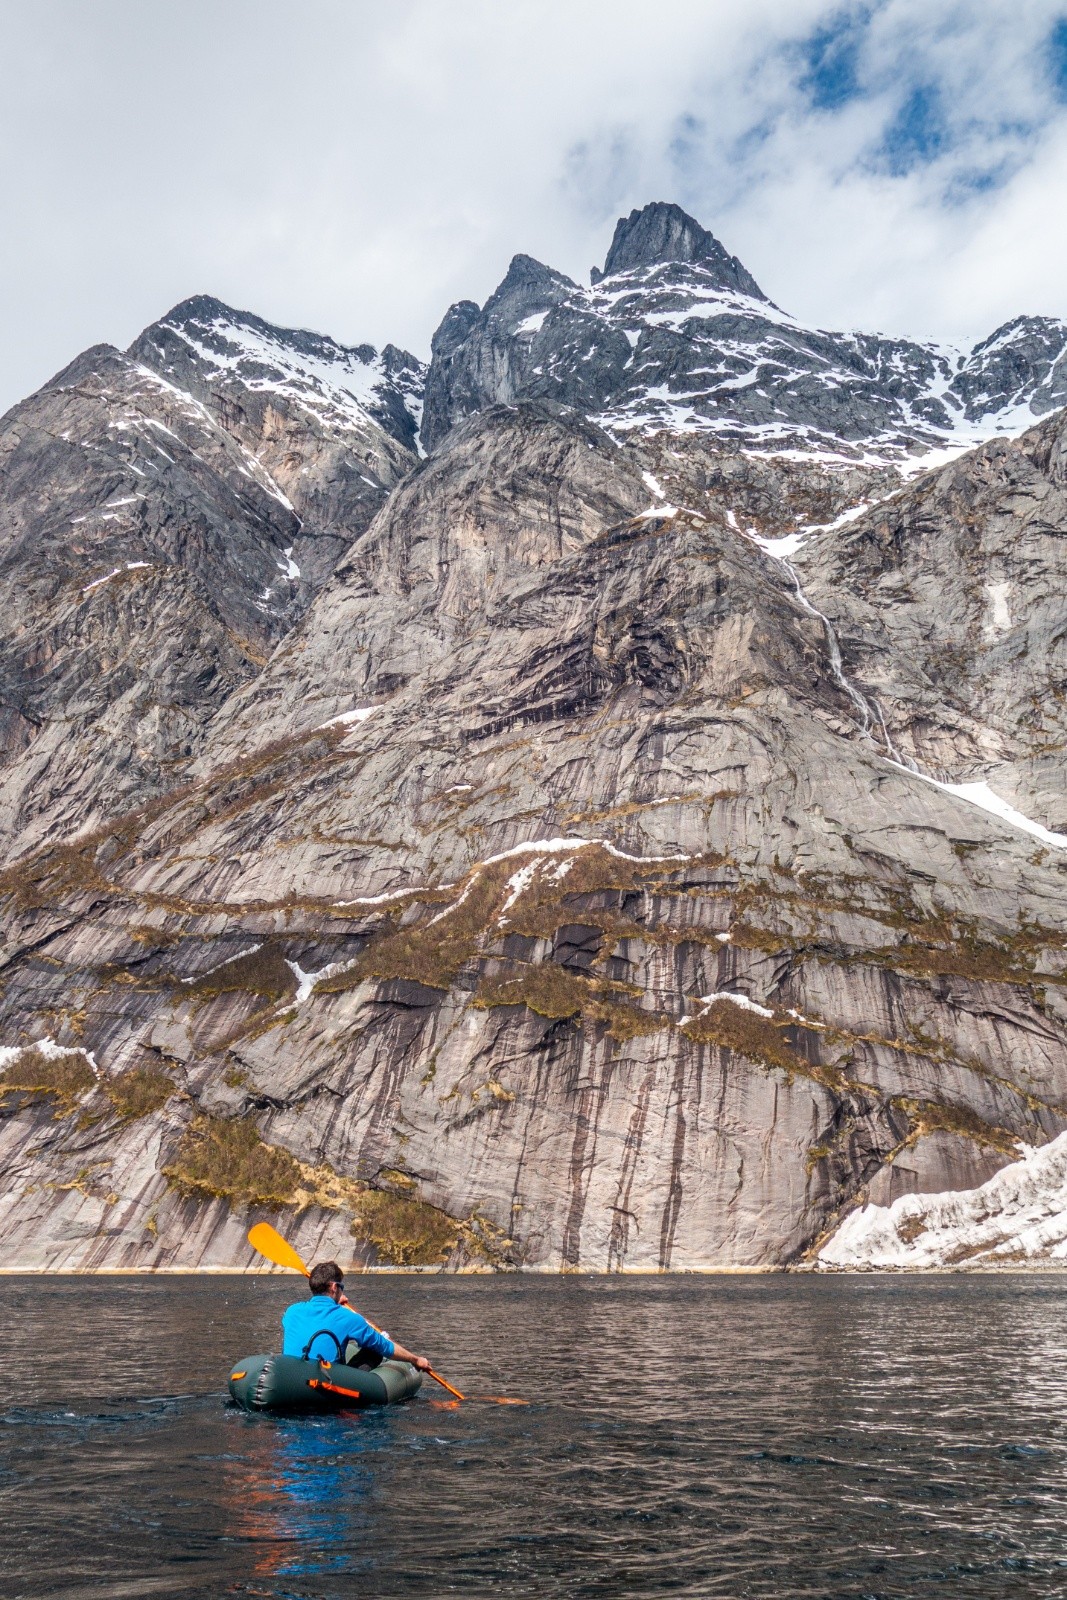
841 1437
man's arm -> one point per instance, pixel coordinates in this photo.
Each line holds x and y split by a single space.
371 1338
405 1355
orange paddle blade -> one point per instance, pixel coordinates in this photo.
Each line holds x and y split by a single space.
269 1242
436 1376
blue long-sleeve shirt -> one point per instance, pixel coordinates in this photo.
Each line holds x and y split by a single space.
308 1324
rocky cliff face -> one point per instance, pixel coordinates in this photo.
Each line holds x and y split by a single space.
946 600
150 556
639 852
334 426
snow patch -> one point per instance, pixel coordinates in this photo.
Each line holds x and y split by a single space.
388 898
51 1052
342 387
520 881
540 847
981 795
288 567
358 714
1020 1212
464 895
197 976
781 549
558 846
752 348
516 885
306 981
787 545
708 1000
130 566
1000 615
535 847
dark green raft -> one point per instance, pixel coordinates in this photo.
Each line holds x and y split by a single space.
286 1383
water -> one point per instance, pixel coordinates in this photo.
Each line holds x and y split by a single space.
775 1436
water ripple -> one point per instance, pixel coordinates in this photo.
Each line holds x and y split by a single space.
824 1439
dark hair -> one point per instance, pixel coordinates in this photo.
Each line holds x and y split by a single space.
323 1274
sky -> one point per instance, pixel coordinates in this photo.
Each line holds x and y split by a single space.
354 167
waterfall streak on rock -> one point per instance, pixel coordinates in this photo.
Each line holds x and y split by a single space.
834 650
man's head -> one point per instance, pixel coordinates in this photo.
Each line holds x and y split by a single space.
326 1277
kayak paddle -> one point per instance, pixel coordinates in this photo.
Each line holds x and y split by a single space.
269 1242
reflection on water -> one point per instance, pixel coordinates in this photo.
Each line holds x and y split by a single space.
692 1436
299 1494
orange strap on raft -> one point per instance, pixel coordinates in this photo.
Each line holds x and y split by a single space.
335 1388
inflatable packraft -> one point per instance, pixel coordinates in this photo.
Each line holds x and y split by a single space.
288 1383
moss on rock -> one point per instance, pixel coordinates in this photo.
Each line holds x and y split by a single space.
403 1231
763 1040
139 1092
551 991
491 901
264 972
229 1160
736 1028
939 1116
64 1075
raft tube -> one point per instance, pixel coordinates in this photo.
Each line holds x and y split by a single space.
286 1383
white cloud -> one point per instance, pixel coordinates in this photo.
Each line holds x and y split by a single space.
354 167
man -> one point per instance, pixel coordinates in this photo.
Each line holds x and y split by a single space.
320 1328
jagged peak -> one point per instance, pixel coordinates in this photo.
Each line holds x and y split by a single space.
526 272
661 232
202 343
205 307
528 285
89 363
205 311
1048 329
396 360
454 327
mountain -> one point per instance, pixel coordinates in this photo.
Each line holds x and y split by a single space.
635 848
675 334
664 233
166 515
244 368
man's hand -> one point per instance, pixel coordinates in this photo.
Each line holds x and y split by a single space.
422 1363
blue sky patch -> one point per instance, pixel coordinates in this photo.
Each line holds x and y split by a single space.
1056 55
917 134
831 60
685 146
972 182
